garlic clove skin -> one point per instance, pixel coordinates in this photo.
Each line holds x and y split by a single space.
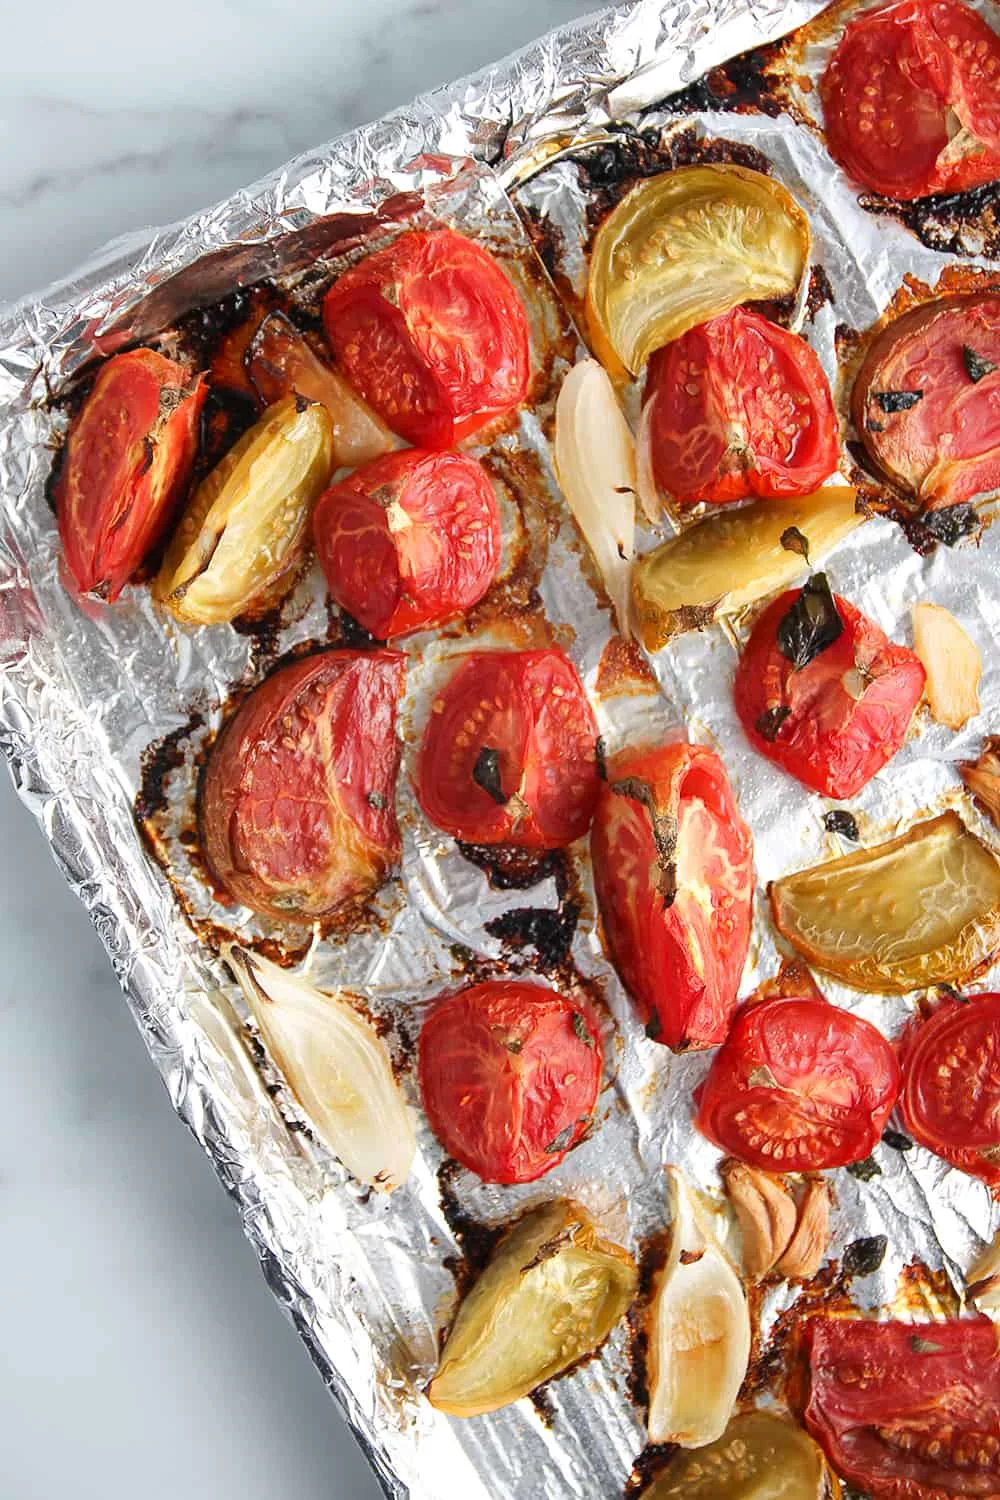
699 1333
336 1065
765 1211
807 1247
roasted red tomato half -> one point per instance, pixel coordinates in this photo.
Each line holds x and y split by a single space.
432 333
911 99
509 1074
951 1084
297 800
823 692
926 402
128 457
673 872
797 1086
739 407
410 540
509 755
907 1411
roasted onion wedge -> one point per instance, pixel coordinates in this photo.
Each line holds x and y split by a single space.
760 1456
687 246
551 1294
733 559
919 910
247 524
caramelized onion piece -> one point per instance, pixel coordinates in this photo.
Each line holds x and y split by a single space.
551 1294
918 910
760 1456
952 663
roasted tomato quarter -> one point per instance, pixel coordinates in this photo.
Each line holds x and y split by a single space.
409 541
739 407
433 334
509 1074
297 800
907 1411
509 755
926 402
799 1085
673 871
823 692
911 99
951 1084
128 457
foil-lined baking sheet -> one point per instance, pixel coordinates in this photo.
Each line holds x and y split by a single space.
105 711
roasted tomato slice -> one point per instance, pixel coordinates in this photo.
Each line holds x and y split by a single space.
841 715
128 457
911 101
509 1074
432 333
297 800
509 755
951 1084
926 402
673 871
907 1411
410 540
798 1085
739 407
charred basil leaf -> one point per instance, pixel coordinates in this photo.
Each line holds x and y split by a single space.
664 833
486 773
561 1141
793 540
842 822
770 722
864 1256
923 1346
866 1169
896 1140
581 1029
977 366
891 401
654 1027
810 624
951 523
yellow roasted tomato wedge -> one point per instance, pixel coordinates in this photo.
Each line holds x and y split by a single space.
760 1456
685 247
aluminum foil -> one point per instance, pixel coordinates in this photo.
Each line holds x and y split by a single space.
84 694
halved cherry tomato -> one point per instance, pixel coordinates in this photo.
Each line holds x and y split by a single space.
410 540
926 402
739 407
799 1085
509 755
842 715
907 1411
432 333
128 457
509 1074
951 1084
297 801
911 99
673 872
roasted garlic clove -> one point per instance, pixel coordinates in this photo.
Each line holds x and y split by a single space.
982 777
765 1210
336 1066
699 1334
952 663
807 1246
551 1294
760 1456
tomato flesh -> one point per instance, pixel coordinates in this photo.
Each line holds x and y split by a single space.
907 1411
297 800
739 407
677 927
509 752
910 99
433 334
128 458
509 1074
799 1085
410 540
951 1085
840 718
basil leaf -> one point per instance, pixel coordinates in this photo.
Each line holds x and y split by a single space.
865 1170
891 401
582 1030
951 523
793 540
863 1257
810 624
977 366
770 722
842 822
486 774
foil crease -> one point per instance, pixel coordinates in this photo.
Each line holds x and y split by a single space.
367 1279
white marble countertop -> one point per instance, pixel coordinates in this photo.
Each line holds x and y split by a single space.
143 1354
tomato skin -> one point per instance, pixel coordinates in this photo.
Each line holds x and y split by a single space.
831 740
740 407
681 963
506 1070
410 540
296 805
888 90
836 1080
529 707
433 334
903 1421
128 457
951 1084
